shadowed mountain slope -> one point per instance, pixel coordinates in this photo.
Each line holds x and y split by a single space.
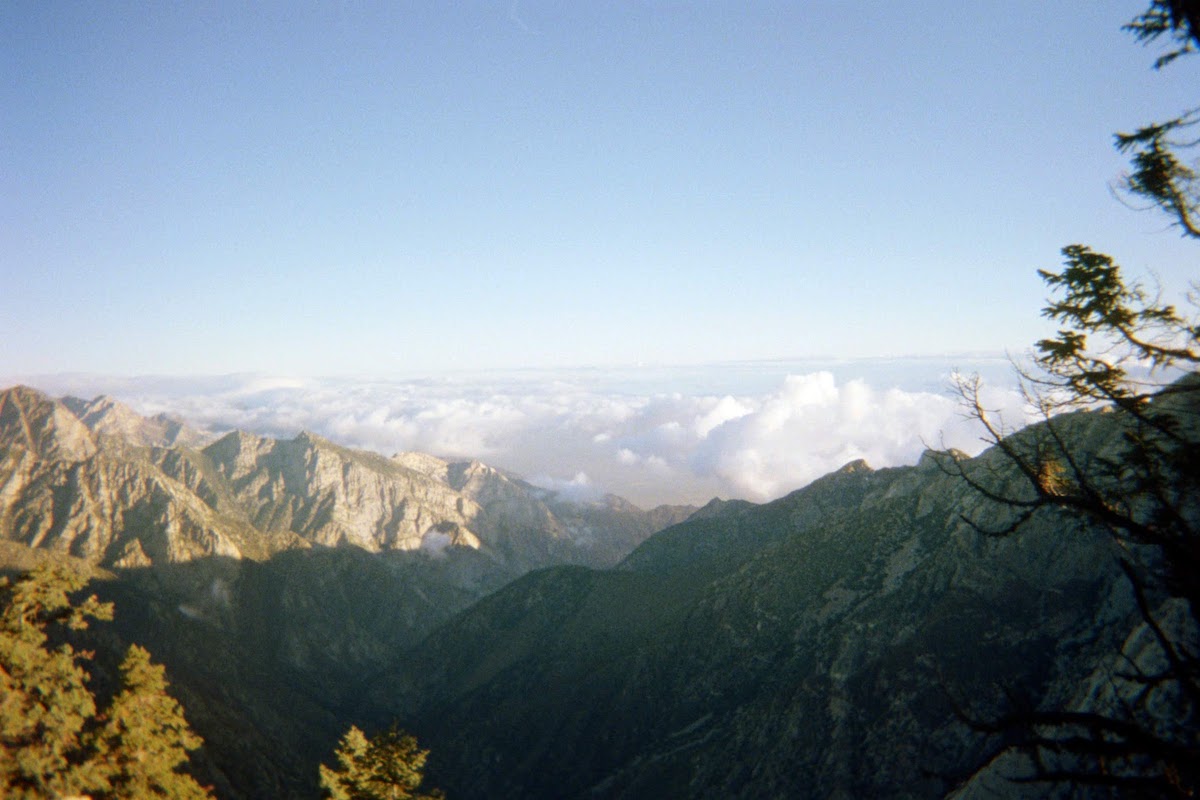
815 646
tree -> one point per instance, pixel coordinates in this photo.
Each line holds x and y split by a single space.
389 766
1141 489
53 743
44 701
144 737
1120 348
1161 175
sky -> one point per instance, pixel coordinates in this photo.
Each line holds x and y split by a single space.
395 189
671 250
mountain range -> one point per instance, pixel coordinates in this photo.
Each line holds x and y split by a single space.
821 645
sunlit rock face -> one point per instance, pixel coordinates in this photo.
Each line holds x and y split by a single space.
96 480
331 496
61 491
108 417
32 425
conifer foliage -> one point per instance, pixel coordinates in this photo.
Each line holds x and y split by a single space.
145 737
54 742
1143 490
388 766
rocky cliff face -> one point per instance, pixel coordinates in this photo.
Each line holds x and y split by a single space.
63 490
97 481
329 495
595 533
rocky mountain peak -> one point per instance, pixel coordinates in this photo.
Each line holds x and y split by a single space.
81 408
463 474
430 466
106 416
32 422
855 466
933 459
236 453
310 439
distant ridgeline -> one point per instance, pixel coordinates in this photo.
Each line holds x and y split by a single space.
824 644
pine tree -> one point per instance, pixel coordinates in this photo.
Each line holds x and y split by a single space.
1142 490
388 766
53 743
44 701
144 737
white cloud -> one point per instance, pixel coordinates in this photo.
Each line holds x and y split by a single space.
752 431
434 543
812 425
579 488
726 409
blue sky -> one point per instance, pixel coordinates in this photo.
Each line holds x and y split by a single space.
397 188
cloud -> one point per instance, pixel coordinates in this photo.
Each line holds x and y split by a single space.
813 425
653 436
578 488
434 543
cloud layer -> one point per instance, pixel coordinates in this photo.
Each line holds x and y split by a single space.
653 436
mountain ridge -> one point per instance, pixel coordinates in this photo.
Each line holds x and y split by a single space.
243 495
813 646
823 644
270 576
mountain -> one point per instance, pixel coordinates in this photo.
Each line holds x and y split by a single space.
106 416
33 428
816 646
271 576
826 644
66 489
97 481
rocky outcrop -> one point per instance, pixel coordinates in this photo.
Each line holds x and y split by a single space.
32 426
593 533
330 495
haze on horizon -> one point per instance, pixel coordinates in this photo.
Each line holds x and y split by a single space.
395 189
747 430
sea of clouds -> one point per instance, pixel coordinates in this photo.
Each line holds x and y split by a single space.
753 430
